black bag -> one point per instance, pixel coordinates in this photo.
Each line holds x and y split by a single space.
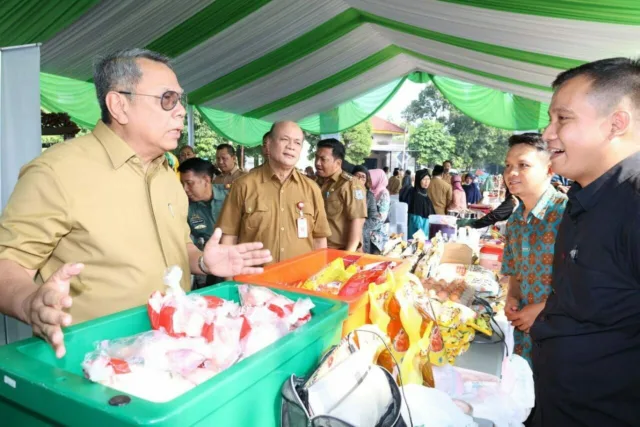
295 414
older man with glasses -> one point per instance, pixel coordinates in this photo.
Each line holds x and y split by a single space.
99 219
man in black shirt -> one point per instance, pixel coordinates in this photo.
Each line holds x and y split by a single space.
586 351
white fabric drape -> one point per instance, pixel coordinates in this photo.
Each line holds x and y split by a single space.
565 38
377 76
109 26
272 26
321 64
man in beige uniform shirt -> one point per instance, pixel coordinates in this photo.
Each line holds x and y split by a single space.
345 199
440 191
97 220
276 204
227 161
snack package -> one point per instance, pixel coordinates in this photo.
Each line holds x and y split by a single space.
371 273
331 278
393 305
454 320
482 280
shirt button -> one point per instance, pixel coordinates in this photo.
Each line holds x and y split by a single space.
136 160
282 209
281 191
282 228
281 249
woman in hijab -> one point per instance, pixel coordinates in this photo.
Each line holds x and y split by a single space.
375 232
459 200
471 189
420 206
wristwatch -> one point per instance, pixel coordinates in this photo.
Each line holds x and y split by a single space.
203 267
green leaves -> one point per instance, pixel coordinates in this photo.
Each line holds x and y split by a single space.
432 142
206 140
447 133
358 141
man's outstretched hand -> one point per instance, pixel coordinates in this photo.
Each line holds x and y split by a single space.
231 260
44 309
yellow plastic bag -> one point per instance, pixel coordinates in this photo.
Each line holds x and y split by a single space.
331 278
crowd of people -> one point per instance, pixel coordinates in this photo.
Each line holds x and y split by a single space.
92 224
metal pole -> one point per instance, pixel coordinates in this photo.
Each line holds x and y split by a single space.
190 128
404 149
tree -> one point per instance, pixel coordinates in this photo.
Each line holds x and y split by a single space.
432 143
429 105
313 140
358 141
205 139
476 144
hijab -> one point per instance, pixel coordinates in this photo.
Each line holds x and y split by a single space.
419 202
379 182
456 182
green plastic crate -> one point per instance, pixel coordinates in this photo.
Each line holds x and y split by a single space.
38 389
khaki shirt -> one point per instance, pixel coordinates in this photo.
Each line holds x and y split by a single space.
89 200
440 193
227 179
260 208
345 200
394 185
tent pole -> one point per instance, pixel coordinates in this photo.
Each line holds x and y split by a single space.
190 128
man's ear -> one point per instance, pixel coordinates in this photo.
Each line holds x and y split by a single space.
118 106
620 122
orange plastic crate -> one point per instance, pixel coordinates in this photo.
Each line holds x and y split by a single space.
287 274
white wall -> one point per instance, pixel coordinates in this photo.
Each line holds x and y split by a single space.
20 139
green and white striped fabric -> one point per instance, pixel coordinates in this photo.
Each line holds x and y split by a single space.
328 64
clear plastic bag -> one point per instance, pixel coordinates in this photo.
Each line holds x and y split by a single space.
193 338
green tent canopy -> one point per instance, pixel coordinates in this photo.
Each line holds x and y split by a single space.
328 64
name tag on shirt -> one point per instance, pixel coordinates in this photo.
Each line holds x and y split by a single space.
303 231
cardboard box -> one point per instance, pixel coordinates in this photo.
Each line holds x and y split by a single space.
457 253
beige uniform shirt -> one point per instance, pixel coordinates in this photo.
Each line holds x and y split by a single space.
259 208
440 193
394 185
89 200
345 200
227 179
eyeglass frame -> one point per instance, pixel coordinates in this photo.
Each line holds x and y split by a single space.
182 98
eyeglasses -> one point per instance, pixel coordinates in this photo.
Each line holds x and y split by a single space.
168 100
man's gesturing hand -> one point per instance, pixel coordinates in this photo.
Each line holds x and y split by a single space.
231 260
44 309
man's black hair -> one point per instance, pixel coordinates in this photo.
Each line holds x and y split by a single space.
408 173
530 138
438 170
386 169
396 171
229 147
197 166
337 147
611 80
447 161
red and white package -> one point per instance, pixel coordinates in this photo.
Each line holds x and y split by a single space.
193 338
182 315
294 314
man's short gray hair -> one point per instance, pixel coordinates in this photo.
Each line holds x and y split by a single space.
119 71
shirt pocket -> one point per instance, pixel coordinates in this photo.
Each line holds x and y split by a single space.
334 208
255 212
308 213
